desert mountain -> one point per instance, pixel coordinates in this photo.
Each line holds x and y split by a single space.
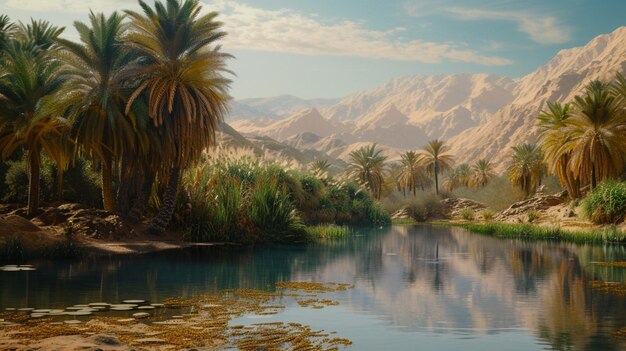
481 115
560 80
277 107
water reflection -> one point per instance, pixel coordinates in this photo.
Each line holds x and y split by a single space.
419 281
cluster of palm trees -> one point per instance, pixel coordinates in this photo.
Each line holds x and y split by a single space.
582 143
368 166
476 176
140 94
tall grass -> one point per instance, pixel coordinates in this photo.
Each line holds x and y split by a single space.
327 231
532 232
606 204
246 200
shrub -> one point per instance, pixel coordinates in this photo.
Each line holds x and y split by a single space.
424 208
606 204
467 214
488 215
532 216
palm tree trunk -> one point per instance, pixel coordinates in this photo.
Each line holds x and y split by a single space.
144 188
436 176
162 219
107 187
34 172
123 190
593 176
59 183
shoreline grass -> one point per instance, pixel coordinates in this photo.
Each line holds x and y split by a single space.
609 235
327 231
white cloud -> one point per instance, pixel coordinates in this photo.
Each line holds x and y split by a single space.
290 31
541 29
293 32
73 6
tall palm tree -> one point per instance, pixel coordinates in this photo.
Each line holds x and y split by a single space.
367 166
436 159
553 124
182 83
30 78
526 168
96 95
412 175
596 135
6 31
482 173
320 168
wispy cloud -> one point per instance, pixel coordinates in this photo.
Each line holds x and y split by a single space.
540 28
290 31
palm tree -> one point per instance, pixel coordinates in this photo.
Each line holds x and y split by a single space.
412 175
320 168
367 166
596 135
29 80
96 97
526 168
554 134
6 29
182 83
482 173
436 159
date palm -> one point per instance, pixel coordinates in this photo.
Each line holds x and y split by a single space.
482 173
553 123
30 78
436 159
411 174
526 168
596 135
6 31
182 82
96 95
367 166
320 168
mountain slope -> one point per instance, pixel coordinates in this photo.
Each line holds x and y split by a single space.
277 107
560 80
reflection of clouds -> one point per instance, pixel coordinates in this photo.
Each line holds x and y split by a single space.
480 283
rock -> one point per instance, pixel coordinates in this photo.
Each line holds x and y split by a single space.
536 203
452 206
569 213
104 339
17 224
402 213
52 216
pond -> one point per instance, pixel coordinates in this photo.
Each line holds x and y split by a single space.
416 287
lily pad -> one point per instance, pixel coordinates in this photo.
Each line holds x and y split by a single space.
41 311
145 307
133 301
80 313
73 321
26 309
141 315
157 305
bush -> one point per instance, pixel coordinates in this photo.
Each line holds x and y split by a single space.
532 216
424 208
467 214
488 215
245 201
606 204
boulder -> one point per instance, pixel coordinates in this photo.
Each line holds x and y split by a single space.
539 202
452 206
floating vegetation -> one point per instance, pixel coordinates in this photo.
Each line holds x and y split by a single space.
203 321
314 287
612 288
611 264
16 268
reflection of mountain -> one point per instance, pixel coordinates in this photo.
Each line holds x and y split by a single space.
476 285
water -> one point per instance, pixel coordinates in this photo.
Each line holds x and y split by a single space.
415 288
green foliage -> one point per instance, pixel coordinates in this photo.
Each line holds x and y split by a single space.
327 231
487 215
244 201
606 204
531 232
532 216
424 208
81 184
467 214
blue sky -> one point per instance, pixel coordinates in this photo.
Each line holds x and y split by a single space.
331 48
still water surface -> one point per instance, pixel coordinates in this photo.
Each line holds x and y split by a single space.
420 287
